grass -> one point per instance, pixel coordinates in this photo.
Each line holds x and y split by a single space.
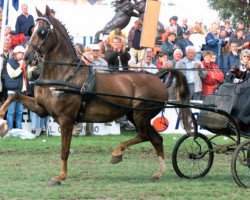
27 165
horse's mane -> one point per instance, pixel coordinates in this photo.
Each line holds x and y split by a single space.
118 4
61 28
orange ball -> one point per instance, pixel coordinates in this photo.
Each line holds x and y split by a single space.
160 124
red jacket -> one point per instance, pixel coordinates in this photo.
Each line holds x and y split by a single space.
213 78
16 40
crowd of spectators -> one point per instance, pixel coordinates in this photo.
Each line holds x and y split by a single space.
207 57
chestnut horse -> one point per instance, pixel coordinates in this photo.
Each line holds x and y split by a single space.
51 41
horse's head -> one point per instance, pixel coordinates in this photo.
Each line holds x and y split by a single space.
43 37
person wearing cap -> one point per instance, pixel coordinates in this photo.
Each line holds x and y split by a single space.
184 42
15 80
24 22
98 61
178 55
178 29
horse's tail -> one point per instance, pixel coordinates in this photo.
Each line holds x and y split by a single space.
181 93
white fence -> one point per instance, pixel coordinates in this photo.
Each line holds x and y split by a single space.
170 124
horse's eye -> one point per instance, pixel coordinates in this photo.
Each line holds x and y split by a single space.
42 32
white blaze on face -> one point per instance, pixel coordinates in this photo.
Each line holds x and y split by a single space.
35 29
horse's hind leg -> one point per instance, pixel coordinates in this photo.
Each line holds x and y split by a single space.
157 141
118 151
145 133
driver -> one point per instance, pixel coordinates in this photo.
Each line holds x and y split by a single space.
243 89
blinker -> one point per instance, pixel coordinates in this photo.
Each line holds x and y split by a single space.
42 32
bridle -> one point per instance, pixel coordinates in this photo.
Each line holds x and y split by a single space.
44 34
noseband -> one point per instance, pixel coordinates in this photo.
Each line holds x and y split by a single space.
37 49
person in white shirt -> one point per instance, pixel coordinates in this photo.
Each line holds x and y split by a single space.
147 65
198 40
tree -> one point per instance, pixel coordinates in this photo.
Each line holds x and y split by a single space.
232 10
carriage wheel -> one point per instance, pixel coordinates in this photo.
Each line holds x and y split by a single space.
192 157
240 164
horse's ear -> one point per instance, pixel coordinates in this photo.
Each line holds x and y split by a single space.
39 14
48 12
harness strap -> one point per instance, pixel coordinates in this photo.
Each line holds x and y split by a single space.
74 71
57 82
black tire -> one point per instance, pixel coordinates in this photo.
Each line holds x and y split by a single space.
240 165
192 157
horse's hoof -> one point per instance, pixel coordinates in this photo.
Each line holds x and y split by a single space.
3 128
116 159
54 182
154 178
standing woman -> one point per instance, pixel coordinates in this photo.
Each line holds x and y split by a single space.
214 76
15 80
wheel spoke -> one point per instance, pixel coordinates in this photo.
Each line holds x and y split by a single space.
241 164
191 157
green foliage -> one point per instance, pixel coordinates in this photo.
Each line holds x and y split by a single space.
232 10
27 165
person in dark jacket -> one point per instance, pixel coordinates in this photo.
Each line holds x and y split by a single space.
214 43
24 22
134 36
117 56
184 42
176 27
242 110
15 80
231 60
5 56
241 66
169 45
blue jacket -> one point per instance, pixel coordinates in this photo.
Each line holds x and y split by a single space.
168 48
15 84
230 61
214 44
182 43
23 24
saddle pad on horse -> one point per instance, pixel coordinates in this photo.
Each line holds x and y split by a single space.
213 120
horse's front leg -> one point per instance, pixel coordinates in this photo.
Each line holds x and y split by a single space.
66 135
28 102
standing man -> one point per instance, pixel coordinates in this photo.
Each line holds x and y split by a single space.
24 22
134 37
193 71
176 27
